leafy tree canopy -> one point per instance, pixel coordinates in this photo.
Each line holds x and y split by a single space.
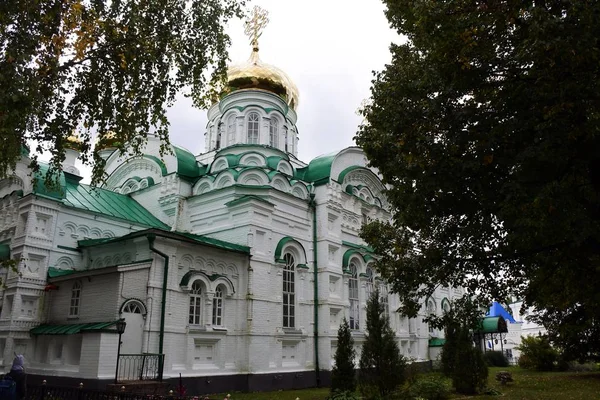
486 127
99 66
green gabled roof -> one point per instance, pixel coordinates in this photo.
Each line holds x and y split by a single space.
189 237
187 166
108 203
70 329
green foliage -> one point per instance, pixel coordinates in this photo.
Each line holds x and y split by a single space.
462 362
431 388
381 364
343 395
485 127
342 374
100 66
537 353
495 359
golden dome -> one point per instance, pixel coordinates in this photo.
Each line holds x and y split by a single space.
254 74
73 142
106 141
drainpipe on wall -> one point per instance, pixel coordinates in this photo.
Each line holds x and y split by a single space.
163 307
313 204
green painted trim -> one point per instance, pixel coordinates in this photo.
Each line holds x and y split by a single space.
68 248
246 145
368 249
57 272
345 172
247 198
185 280
284 241
267 110
302 266
19 194
348 255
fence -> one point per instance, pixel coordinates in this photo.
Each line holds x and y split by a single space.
140 367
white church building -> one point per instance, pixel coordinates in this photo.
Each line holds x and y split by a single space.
237 265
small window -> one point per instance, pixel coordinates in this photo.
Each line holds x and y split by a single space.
217 318
383 299
253 128
274 133
75 300
195 303
132 307
369 285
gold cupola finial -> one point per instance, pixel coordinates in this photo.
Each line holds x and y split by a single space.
254 25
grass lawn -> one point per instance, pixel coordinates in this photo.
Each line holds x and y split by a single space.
527 385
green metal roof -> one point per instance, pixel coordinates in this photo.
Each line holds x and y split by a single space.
4 252
436 342
318 169
109 203
56 272
187 165
492 325
56 191
170 235
70 329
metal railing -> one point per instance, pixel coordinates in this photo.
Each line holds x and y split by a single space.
140 367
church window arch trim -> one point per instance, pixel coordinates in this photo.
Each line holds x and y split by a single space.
135 306
289 244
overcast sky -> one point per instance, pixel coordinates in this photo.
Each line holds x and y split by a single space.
329 49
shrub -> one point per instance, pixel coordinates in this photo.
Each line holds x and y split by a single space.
463 362
495 359
537 353
431 388
343 395
381 364
342 373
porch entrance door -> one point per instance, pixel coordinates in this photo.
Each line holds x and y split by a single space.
132 337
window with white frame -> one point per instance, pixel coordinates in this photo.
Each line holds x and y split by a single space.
195 315
353 298
75 300
253 128
289 291
445 306
369 287
274 133
231 130
383 299
217 315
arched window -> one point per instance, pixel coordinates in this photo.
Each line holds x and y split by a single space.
231 130
195 303
133 307
369 285
289 291
274 133
445 306
353 297
285 137
217 317
75 300
252 134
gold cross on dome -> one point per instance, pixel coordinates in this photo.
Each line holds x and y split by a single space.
254 25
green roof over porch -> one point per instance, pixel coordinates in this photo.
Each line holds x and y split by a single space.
70 329
436 342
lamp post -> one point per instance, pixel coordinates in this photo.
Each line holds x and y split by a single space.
120 325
